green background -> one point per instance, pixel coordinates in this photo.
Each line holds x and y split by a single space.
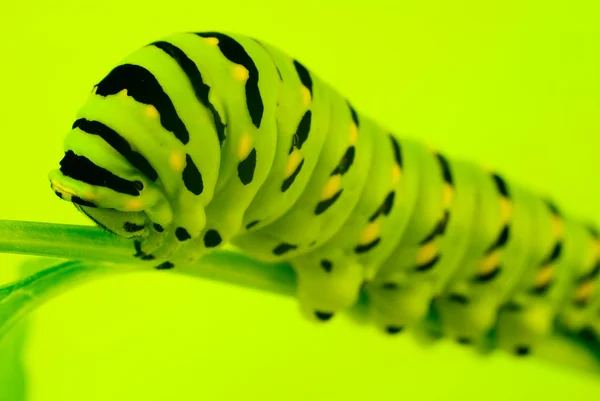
514 84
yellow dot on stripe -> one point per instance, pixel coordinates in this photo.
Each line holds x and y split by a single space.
151 111
123 93
177 161
332 187
240 72
597 247
94 90
245 146
396 174
212 41
584 291
447 195
489 263
557 227
427 252
305 96
544 276
369 233
353 133
292 163
134 205
505 209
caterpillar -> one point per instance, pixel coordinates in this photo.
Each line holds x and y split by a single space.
201 140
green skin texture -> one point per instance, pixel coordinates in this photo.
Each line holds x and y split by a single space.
228 206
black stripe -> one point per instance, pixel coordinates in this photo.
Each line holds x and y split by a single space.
132 227
458 298
83 169
385 208
592 274
367 247
83 202
346 162
283 248
201 89
302 131
304 76
501 240
556 252
192 179
542 289
445 168
246 168
287 183
553 208
236 53
439 228
252 224
143 86
389 285
501 185
326 204
353 114
428 265
119 143
397 151
488 276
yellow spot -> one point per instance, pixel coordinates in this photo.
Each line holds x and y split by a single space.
598 248
489 263
177 161
544 276
90 196
396 174
505 209
427 252
486 168
240 72
151 111
447 195
94 90
292 163
353 133
584 291
557 227
305 96
212 41
62 189
429 147
332 187
245 146
123 93
370 233
134 205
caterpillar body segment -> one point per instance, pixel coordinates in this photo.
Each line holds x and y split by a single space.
205 139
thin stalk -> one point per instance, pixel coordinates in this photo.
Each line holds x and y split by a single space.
87 250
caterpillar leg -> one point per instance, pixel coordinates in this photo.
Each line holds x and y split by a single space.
520 329
395 306
328 283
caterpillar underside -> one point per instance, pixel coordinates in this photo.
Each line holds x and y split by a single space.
207 139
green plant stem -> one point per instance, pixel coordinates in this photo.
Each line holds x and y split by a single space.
93 246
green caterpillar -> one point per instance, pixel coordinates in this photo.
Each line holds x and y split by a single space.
207 139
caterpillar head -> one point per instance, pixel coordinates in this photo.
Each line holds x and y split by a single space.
127 207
